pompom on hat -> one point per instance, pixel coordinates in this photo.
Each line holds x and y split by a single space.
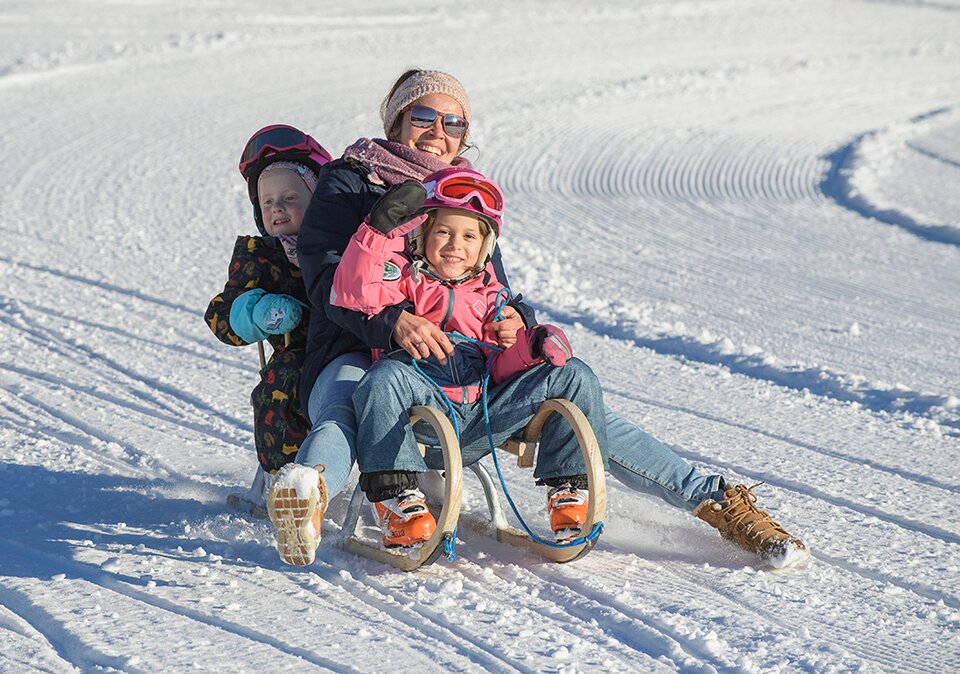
420 84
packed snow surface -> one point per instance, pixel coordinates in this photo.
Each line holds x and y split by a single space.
744 213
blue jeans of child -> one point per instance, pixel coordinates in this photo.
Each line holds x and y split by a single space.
386 441
330 445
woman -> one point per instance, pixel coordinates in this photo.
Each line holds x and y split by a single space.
426 118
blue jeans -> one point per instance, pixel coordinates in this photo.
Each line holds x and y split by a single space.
645 464
387 442
331 444
636 458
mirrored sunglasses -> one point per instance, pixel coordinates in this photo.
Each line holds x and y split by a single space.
423 117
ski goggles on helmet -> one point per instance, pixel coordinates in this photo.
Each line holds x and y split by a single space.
423 117
458 188
280 139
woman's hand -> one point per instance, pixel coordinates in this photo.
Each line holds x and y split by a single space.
505 330
421 338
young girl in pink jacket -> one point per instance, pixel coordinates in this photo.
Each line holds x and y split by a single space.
429 245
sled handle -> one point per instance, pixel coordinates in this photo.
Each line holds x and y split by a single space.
263 355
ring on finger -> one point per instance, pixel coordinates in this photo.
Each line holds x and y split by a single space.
418 344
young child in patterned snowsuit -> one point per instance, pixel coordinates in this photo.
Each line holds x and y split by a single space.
265 299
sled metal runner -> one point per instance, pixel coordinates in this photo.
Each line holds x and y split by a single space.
524 449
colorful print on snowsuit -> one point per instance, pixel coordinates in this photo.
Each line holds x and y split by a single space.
279 422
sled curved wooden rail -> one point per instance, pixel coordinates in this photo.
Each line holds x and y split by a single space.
449 513
596 482
524 449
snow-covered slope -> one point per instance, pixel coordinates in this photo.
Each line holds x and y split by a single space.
743 212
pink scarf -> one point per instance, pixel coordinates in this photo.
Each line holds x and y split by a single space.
289 244
391 163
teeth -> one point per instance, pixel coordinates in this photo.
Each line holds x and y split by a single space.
430 149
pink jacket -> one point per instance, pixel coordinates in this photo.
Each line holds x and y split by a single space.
375 273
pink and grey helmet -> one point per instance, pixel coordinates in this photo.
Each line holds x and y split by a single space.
278 143
466 190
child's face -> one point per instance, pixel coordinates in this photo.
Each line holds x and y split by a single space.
283 200
453 243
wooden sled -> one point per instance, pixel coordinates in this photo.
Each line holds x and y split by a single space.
524 449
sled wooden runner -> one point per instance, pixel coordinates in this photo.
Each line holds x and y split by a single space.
596 480
524 449
449 513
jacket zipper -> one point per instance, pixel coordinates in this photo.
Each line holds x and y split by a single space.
453 367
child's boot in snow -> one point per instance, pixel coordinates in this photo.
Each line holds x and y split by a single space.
296 504
737 518
567 508
404 520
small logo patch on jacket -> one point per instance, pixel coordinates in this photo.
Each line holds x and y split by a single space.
391 272
479 308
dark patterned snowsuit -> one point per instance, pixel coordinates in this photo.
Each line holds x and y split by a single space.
279 422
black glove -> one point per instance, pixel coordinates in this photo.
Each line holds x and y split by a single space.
397 206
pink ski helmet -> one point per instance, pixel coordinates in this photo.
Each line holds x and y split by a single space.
277 142
466 190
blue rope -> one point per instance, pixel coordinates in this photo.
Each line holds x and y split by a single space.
446 399
448 544
580 540
500 301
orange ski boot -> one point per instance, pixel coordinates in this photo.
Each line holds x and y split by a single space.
404 520
567 508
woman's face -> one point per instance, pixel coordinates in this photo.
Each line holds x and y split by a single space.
433 140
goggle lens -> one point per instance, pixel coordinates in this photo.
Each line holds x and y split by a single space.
460 189
277 139
423 117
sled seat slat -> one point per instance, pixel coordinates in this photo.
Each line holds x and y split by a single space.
524 450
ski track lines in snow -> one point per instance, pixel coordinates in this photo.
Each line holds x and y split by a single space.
499 593
51 331
865 517
838 186
898 471
192 620
696 175
368 602
637 625
354 600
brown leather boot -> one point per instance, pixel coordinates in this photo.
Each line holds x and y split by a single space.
738 519
296 504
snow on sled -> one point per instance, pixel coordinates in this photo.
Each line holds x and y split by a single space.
444 537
